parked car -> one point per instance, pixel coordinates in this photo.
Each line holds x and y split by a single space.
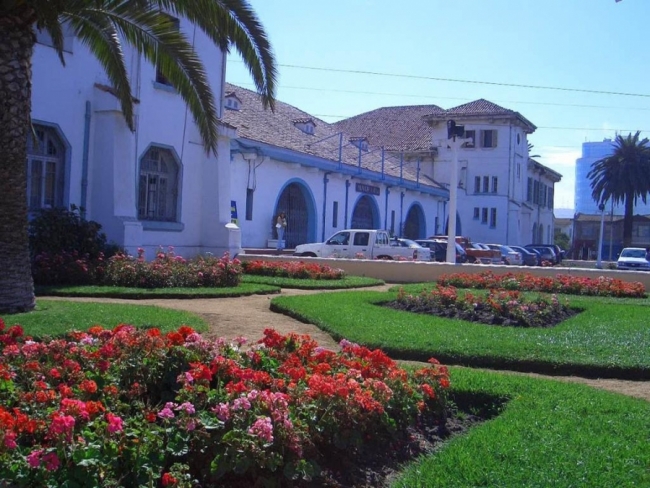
438 249
508 255
530 257
423 253
475 253
559 253
633 258
547 252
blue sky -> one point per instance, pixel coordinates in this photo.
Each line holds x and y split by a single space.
595 45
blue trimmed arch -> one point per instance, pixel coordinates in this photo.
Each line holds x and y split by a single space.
365 213
297 201
415 225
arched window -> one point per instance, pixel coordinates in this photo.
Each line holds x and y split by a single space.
158 185
45 169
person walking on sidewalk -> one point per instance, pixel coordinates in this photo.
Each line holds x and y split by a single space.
280 226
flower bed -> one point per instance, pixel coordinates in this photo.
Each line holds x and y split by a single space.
127 407
293 269
573 285
168 271
498 307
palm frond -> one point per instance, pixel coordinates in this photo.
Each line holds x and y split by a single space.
93 28
233 22
154 34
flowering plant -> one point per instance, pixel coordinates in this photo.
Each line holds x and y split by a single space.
128 407
573 285
168 270
67 268
292 269
498 307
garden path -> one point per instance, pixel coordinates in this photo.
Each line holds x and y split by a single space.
249 316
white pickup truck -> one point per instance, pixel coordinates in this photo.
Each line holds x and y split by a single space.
364 244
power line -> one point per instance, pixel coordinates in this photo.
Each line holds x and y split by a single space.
457 80
405 95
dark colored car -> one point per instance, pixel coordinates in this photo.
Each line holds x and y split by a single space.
439 250
547 252
530 256
559 253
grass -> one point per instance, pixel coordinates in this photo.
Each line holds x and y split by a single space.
304 284
54 317
244 289
548 434
610 338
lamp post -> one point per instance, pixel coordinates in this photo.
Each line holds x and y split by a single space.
599 262
455 138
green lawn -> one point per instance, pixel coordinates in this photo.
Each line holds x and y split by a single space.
610 338
304 284
243 289
54 317
549 434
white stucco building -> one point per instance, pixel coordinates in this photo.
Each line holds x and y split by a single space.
503 196
154 186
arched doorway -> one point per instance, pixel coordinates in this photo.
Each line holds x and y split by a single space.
296 203
365 214
459 226
415 225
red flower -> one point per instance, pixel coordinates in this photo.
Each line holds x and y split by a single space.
168 480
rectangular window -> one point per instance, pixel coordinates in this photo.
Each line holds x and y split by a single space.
529 192
477 184
335 214
486 184
477 213
536 192
488 138
249 203
470 134
495 184
493 217
550 198
160 77
484 215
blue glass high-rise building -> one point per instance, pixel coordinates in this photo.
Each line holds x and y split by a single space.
584 203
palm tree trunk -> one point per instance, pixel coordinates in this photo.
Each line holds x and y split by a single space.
16 46
628 220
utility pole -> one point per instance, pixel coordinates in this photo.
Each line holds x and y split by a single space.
599 261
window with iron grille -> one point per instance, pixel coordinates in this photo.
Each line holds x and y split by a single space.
486 184
477 213
495 184
484 215
529 192
493 217
477 184
45 169
488 138
335 214
158 185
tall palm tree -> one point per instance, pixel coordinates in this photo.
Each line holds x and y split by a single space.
103 25
624 176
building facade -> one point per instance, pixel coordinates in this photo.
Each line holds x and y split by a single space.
150 187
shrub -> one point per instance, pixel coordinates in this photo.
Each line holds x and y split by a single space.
170 271
573 285
127 407
67 268
293 269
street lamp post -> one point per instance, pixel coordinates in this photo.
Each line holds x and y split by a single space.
455 138
599 262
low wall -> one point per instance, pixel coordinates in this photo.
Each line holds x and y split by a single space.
417 271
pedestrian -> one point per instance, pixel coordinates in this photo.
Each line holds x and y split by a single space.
280 226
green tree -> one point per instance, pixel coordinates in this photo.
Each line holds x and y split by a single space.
102 26
624 176
562 240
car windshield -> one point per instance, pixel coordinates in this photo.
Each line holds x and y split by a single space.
633 253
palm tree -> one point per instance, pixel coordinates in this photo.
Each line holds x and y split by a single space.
623 177
103 25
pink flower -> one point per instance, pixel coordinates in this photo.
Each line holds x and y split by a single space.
222 411
262 428
62 424
166 413
34 458
10 440
187 407
241 404
51 461
115 423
